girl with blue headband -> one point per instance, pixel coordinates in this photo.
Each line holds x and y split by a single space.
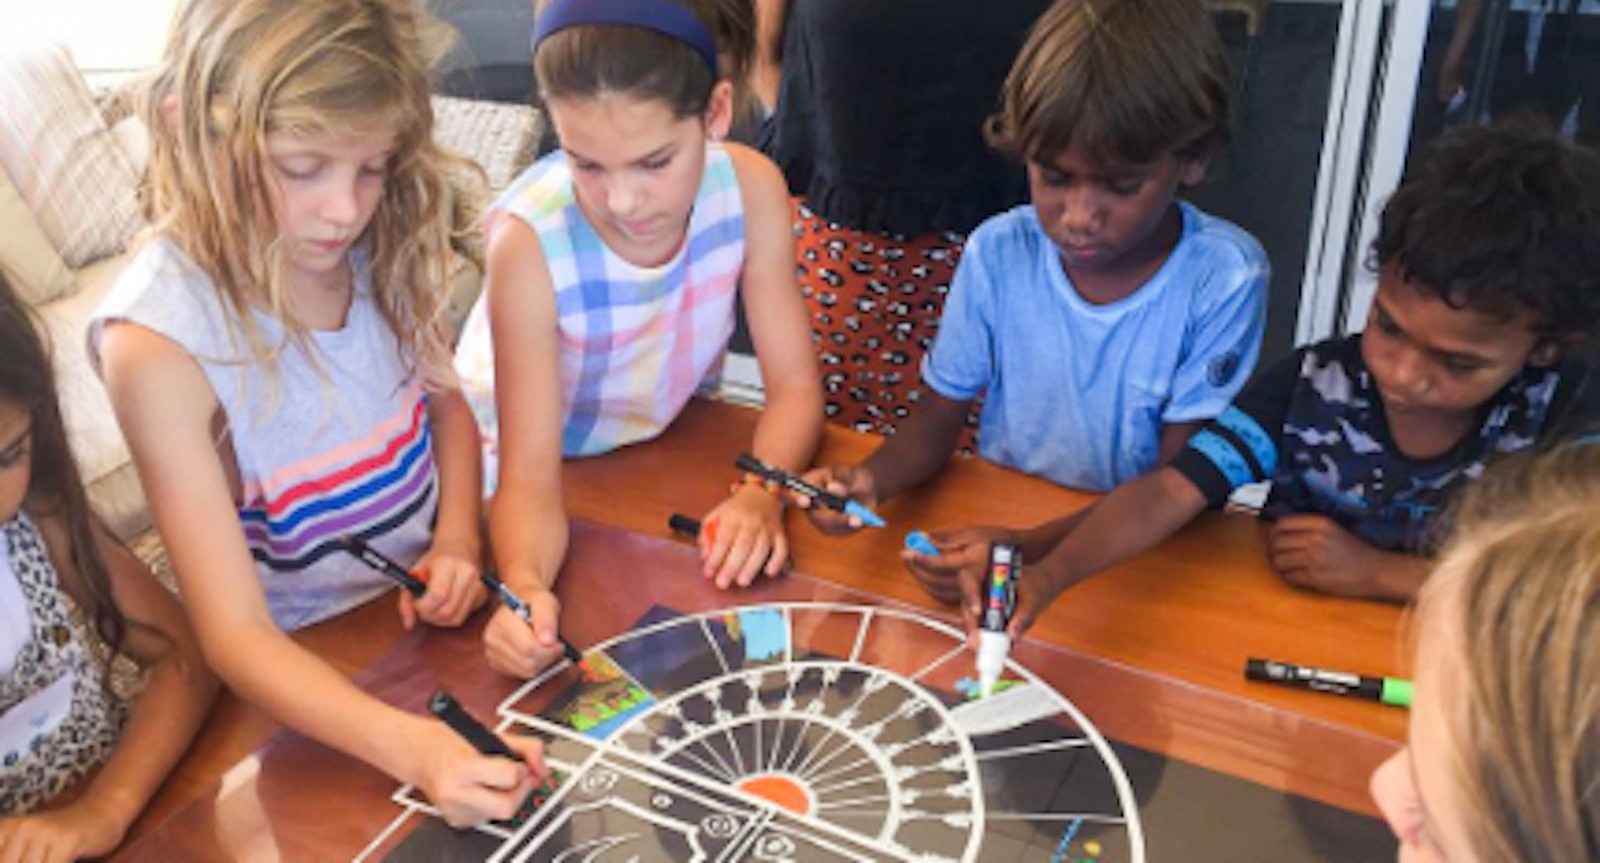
614 267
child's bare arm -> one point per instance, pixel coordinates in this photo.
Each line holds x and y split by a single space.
164 720
909 457
749 537
165 407
527 518
455 557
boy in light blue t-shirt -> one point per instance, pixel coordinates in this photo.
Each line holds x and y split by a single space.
1107 320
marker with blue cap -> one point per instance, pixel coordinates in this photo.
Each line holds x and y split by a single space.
751 464
919 542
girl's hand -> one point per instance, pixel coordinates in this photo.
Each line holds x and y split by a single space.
744 536
516 648
853 482
454 590
60 835
470 788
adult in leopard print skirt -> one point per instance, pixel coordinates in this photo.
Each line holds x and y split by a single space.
879 109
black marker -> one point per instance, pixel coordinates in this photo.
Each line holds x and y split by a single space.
748 462
680 523
461 722
521 610
1389 690
690 527
394 571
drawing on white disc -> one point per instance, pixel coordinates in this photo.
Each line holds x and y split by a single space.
802 732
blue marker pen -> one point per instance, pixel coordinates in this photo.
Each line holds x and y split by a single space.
919 542
999 604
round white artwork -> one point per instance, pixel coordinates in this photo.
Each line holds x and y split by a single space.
810 732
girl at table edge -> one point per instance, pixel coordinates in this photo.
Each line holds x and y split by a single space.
76 774
613 267
1504 754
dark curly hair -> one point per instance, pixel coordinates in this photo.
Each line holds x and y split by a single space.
1505 220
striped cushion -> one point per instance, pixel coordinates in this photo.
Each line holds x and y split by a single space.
28 260
61 157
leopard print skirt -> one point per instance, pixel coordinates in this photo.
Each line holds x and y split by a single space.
874 302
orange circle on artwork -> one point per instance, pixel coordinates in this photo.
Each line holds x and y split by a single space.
779 789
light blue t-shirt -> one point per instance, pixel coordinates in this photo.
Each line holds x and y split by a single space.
1078 393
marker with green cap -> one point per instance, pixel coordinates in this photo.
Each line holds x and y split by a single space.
1388 690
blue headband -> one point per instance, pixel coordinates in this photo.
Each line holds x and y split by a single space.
662 16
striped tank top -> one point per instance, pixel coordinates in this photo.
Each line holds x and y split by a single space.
635 342
346 452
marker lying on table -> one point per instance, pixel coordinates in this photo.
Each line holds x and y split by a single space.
999 604
748 462
690 527
444 706
373 558
1388 690
521 609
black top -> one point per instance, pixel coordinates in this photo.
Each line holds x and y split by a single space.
1314 424
881 108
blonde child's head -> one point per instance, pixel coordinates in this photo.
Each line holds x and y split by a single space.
236 73
37 471
1504 757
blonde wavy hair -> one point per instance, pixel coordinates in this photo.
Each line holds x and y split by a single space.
235 71
1521 582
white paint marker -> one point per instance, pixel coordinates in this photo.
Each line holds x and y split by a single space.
999 604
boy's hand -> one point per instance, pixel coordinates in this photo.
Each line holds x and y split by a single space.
1314 552
853 482
454 590
744 537
959 550
59 835
957 574
516 648
470 788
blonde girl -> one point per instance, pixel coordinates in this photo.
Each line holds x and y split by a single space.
277 357
77 762
614 266
1504 755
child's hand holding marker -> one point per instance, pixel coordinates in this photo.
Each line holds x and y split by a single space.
851 482
938 560
435 589
451 574
520 643
470 791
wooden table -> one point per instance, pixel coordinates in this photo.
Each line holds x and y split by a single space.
1174 625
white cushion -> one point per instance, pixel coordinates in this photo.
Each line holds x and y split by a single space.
59 154
28 260
92 429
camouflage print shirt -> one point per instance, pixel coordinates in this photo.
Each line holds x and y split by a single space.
1314 425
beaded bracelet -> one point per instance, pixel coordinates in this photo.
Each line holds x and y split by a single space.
770 486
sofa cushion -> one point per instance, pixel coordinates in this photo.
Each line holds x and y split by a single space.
28 260
97 442
60 155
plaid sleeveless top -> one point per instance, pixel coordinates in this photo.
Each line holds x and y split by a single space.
635 342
